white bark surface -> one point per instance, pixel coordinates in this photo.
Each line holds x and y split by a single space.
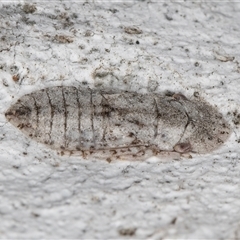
141 46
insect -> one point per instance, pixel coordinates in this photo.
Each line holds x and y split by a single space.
82 119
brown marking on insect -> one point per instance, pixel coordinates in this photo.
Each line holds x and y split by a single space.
114 152
183 147
179 96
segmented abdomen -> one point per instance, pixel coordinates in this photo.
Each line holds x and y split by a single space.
77 119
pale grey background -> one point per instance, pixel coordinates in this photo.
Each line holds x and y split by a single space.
182 46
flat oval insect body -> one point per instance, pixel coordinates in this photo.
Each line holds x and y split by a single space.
76 119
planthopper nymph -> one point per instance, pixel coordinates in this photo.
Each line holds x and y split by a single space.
118 122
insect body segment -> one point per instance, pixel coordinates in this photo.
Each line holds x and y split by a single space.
76 119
